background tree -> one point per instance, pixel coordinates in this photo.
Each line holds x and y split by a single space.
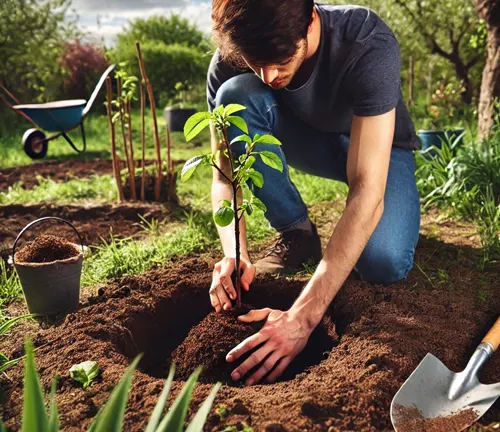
489 11
173 50
32 38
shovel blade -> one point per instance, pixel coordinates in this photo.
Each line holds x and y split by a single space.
427 389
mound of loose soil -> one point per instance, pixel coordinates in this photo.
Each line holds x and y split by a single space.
410 419
380 335
45 249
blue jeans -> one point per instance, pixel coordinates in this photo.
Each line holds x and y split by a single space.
388 256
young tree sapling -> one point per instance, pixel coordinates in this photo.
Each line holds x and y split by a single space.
242 173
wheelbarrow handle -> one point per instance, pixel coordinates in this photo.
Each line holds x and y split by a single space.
27 227
493 336
97 89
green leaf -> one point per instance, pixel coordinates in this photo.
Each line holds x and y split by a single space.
5 327
244 138
34 415
10 363
225 203
110 418
200 418
84 373
53 414
160 404
256 177
223 216
267 139
191 165
249 162
176 416
238 122
271 159
195 124
232 108
249 209
259 204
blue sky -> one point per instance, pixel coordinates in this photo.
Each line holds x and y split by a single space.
103 19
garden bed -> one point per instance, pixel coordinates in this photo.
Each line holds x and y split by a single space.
93 222
371 339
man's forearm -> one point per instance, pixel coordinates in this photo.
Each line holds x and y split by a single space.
360 218
222 191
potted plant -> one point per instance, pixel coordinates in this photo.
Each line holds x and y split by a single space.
177 114
440 125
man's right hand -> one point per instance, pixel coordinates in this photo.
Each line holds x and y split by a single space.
222 290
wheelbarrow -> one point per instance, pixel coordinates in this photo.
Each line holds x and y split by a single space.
59 117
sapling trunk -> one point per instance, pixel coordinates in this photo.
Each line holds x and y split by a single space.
129 122
143 139
234 188
116 168
149 89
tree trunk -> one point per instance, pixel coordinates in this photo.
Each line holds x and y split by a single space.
489 10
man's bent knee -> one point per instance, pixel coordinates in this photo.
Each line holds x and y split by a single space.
241 89
384 266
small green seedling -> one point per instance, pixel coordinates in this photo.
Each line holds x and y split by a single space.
84 373
241 171
222 411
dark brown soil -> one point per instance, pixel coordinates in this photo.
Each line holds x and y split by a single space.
167 192
410 419
46 249
93 222
380 334
57 170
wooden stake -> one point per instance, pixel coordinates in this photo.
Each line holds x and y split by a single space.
116 167
149 89
128 111
143 137
125 145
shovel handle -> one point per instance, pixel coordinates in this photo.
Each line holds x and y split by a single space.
493 336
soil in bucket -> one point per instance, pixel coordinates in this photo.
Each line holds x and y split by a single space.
46 249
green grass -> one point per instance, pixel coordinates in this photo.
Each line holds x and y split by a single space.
96 188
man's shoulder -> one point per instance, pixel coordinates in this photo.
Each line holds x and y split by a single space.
351 23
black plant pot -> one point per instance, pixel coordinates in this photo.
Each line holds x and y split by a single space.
176 117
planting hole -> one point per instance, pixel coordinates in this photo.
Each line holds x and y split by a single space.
183 329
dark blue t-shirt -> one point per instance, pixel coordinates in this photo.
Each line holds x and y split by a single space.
357 72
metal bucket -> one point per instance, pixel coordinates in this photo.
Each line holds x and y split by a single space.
50 288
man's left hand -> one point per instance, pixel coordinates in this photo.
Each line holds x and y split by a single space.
282 338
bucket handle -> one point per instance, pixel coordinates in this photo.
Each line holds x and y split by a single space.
40 220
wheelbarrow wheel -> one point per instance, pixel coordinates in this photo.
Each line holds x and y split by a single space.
35 144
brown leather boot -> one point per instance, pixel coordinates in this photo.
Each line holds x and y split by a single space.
291 250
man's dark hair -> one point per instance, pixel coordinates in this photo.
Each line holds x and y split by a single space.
263 31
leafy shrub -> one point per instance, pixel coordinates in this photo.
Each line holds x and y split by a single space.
166 65
83 63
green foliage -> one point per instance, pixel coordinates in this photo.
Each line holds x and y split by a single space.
84 372
110 417
99 188
168 30
32 38
5 363
466 181
173 50
243 171
10 287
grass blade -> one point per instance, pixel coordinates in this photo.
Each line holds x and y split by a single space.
110 418
200 418
34 415
174 420
160 405
10 363
4 328
2 426
53 413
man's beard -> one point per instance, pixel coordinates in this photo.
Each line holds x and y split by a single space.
285 81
